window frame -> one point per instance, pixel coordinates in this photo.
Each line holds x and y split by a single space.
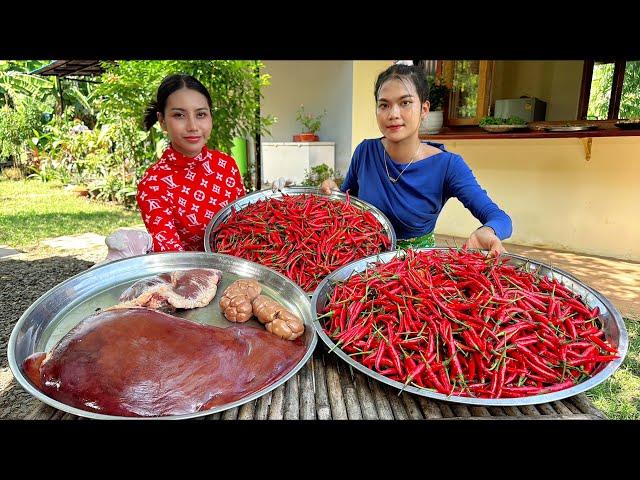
483 99
444 69
616 88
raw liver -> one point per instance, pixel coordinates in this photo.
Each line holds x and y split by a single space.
141 362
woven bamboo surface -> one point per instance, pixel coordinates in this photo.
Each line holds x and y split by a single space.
328 389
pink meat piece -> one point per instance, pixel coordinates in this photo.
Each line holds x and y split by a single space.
141 362
192 288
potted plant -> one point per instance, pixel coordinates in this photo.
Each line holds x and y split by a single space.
311 124
438 97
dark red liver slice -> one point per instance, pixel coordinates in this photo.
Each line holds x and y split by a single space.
141 362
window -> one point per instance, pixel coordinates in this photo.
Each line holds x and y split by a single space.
610 90
469 83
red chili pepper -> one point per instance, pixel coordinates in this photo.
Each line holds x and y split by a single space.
462 312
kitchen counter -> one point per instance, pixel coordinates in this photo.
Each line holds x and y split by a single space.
606 128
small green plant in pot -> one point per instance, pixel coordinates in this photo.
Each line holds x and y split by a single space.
311 125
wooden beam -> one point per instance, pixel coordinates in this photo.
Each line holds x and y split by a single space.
585 90
616 89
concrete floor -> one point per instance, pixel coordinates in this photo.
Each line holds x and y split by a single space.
618 280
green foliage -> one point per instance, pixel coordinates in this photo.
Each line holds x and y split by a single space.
28 103
15 85
128 88
630 101
600 94
465 83
16 127
309 121
438 93
99 139
70 152
502 121
318 174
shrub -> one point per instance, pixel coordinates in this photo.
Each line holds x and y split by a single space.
320 173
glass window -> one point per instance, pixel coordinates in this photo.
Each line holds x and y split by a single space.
630 101
470 82
464 92
600 94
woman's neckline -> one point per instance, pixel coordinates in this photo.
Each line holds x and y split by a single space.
415 161
186 157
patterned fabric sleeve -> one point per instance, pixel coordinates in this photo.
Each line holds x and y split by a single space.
157 214
231 169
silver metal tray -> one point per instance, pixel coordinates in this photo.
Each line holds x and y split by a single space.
570 128
64 306
614 328
243 202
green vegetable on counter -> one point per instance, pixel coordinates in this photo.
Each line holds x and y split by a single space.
502 121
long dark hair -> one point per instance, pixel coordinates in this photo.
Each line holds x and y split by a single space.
169 85
399 71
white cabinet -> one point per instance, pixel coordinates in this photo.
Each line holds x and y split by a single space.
291 159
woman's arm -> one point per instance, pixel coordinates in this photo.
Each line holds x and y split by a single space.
485 238
462 184
350 181
496 224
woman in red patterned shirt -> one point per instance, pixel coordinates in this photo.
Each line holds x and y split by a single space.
180 193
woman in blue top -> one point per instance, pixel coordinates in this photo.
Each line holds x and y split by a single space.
409 180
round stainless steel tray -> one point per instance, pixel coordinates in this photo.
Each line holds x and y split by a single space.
613 325
243 202
570 128
64 306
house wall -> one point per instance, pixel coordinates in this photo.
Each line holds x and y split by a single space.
364 123
318 85
555 197
555 82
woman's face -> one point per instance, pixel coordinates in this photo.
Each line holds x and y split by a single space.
399 111
187 121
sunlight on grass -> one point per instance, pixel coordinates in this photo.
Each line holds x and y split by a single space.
31 211
619 396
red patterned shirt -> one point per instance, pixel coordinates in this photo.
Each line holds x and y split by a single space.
179 195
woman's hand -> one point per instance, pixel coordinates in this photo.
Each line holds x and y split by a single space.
484 238
328 185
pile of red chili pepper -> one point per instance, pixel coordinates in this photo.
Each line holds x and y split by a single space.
466 324
305 237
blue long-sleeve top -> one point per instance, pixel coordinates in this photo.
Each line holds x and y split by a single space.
415 201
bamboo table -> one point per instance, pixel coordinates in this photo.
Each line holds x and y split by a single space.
328 389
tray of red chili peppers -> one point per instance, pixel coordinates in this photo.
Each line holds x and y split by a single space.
459 325
300 232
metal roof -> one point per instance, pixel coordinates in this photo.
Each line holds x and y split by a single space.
63 68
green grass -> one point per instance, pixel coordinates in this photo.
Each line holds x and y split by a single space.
31 211
619 396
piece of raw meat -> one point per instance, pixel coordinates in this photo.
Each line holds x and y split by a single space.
192 288
141 362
